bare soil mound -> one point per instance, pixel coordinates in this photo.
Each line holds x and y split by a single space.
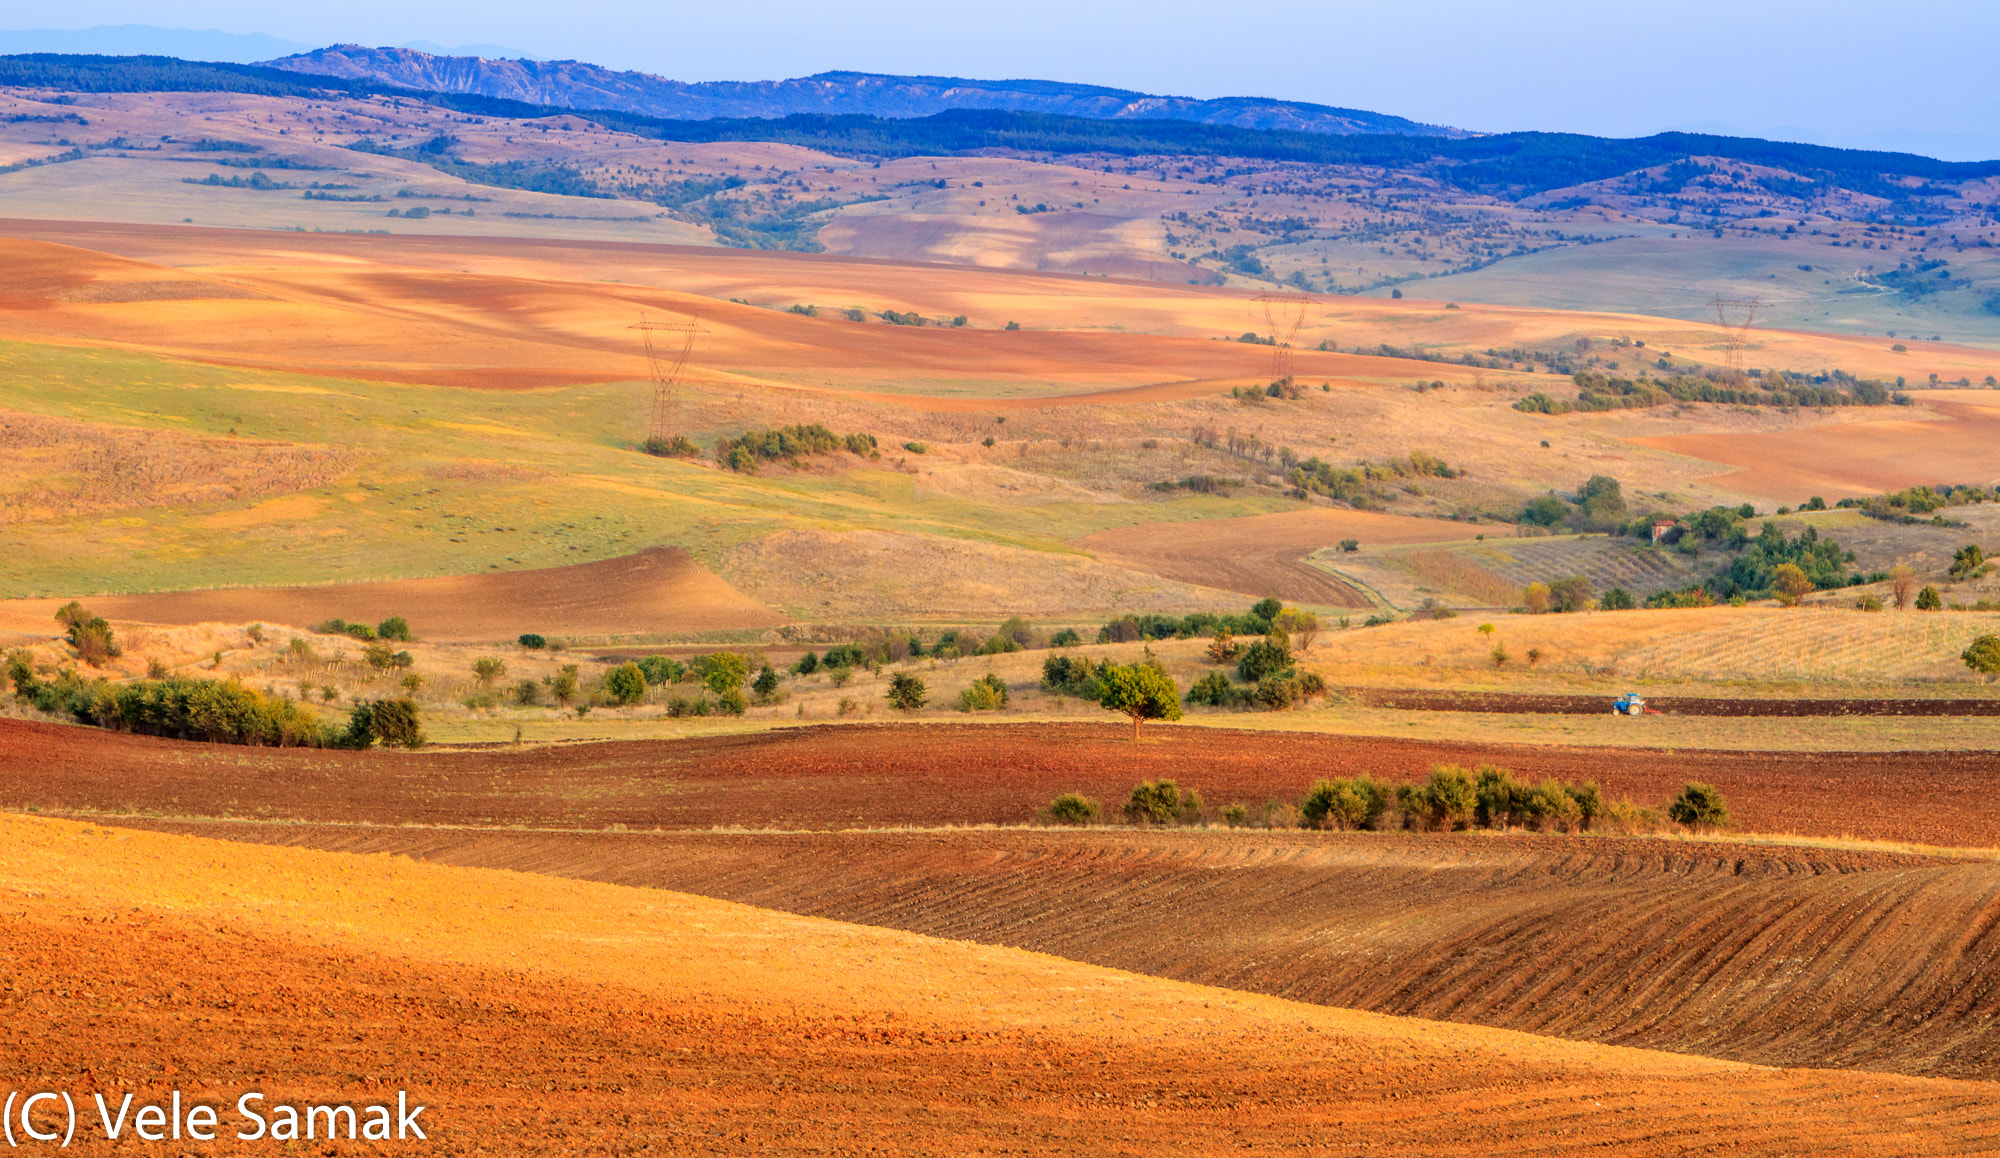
885 775
596 1019
1507 703
1264 555
656 590
1781 956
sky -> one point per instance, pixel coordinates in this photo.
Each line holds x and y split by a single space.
1915 74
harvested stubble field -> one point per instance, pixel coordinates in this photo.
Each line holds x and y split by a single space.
888 775
1791 956
526 1012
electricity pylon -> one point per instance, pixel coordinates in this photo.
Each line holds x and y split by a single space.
667 377
1284 305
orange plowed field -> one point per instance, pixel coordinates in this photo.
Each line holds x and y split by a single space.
1781 956
532 1016
661 589
844 776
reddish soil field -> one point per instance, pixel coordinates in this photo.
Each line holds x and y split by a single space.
847 776
1506 703
660 589
1780 956
516 1062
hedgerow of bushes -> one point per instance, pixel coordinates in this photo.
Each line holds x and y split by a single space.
1451 798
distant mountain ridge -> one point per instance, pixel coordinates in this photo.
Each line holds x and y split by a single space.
573 84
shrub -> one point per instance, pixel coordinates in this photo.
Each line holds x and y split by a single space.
660 669
766 685
393 722
1549 806
1073 676
563 685
1983 655
1266 657
1444 802
1236 816
1162 802
844 655
678 446
1140 692
532 642
1868 602
1699 806
1571 593
625 683
1535 598
89 634
382 657
1498 801
1501 655
1222 648
1616 599
486 669
359 631
1929 600
1213 689
1359 802
395 628
1067 637
989 694
1789 582
906 692
1072 808
732 701
527 693
1967 562
839 676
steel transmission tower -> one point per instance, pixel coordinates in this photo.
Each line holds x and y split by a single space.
667 377
1734 315
1287 311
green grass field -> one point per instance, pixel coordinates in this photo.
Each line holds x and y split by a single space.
450 481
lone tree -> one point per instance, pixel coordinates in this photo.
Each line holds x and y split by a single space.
1902 582
1983 655
1141 692
487 669
625 683
1699 806
1222 648
1790 582
906 692
1929 600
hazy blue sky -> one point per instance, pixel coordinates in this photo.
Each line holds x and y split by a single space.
1835 70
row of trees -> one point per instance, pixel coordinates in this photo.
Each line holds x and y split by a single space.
1452 798
747 450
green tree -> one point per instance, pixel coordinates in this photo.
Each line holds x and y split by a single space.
988 694
660 669
767 683
1141 692
1358 802
1967 561
1699 806
1535 598
1929 600
1600 502
393 722
1983 655
625 683
1545 511
396 628
532 642
906 692
527 693
722 671
564 684
1616 599
486 669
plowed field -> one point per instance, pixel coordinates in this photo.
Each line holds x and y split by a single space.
532 1015
1782 956
656 590
828 777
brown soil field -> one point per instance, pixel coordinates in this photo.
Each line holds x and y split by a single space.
889 775
1774 955
1508 703
1854 459
528 1014
660 589
510 312
1262 555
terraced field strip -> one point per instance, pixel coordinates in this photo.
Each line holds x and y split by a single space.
1781 956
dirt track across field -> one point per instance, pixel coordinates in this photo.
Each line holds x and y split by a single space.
885 775
656 590
1507 703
